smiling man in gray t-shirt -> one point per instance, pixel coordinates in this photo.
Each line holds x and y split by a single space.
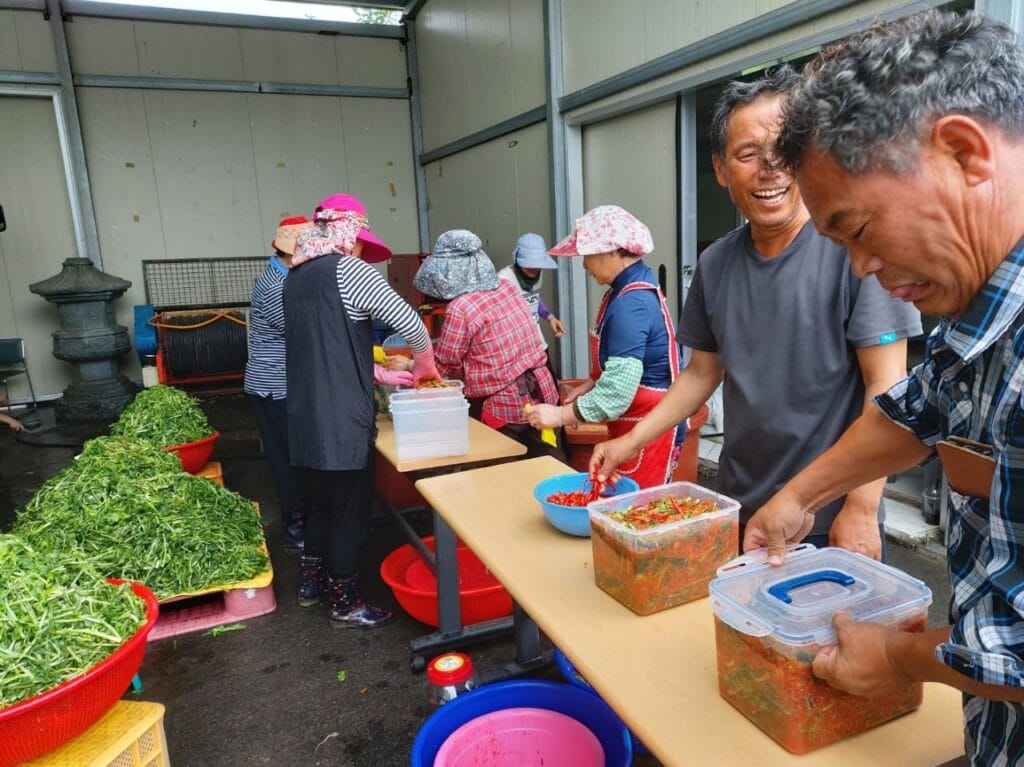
776 312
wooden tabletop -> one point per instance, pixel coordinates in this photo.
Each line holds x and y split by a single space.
658 672
485 444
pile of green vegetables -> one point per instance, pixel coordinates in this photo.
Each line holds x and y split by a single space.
130 510
163 416
58 618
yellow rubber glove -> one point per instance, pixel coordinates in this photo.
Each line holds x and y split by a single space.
378 355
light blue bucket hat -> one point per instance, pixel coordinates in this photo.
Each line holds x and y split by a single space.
531 252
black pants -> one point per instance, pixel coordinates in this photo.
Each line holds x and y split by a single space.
272 421
338 510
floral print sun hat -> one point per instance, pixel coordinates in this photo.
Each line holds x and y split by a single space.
604 229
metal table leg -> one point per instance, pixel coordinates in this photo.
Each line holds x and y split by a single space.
451 633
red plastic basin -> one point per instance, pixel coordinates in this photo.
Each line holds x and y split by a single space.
481 595
49 720
194 455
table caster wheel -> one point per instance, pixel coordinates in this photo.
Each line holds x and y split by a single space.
418 664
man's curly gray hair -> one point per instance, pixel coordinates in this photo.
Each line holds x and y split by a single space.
739 94
868 100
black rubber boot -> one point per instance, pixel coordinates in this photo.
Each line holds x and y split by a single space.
312 581
293 523
350 610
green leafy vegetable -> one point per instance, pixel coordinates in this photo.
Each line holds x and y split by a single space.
342 675
131 511
216 631
163 416
58 618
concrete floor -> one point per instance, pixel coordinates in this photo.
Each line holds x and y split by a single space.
270 694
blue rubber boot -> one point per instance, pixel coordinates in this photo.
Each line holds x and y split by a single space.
312 581
350 610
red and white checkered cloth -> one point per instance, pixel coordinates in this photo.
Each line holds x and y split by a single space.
491 335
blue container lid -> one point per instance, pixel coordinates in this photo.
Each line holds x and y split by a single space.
795 602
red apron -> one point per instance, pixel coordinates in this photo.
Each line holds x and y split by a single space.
651 466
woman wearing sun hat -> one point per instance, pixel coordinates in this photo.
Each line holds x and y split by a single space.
488 334
329 299
633 353
265 382
529 261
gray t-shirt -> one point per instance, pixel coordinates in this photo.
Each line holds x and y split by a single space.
786 331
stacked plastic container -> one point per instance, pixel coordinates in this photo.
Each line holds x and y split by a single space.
770 622
430 423
666 565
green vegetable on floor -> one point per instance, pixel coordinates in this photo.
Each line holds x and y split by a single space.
216 631
58 618
130 510
164 416
342 675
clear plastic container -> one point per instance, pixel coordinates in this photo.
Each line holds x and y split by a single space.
430 423
770 622
449 676
667 565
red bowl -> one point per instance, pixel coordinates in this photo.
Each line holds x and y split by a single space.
49 720
481 595
195 455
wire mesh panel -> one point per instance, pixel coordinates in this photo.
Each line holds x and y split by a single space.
200 283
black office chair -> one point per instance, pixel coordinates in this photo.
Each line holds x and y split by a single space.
12 363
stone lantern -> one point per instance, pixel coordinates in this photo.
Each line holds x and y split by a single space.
90 339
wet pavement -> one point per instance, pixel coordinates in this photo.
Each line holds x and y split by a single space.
273 694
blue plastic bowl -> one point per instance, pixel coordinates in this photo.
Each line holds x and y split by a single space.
584 707
573 677
574 520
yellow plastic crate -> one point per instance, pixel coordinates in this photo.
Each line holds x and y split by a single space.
212 471
130 735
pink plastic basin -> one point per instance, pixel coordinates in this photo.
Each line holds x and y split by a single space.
521 737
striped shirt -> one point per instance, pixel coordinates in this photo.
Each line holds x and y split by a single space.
365 292
264 370
970 385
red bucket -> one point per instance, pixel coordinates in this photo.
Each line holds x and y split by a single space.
195 455
481 595
49 720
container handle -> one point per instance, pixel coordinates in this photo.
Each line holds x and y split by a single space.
737 619
781 590
759 557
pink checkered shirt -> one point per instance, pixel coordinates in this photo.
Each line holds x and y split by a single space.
491 335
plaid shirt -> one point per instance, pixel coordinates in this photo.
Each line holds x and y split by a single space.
970 385
492 336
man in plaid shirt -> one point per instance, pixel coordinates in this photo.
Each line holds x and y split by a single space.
907 142
488 333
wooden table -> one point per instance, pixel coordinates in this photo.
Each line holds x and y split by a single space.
485 446
658 672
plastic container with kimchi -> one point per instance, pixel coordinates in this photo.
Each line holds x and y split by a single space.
770 622
665 565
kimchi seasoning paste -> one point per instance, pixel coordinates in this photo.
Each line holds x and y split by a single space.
772 685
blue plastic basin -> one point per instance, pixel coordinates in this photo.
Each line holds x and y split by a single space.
574 520
573 677
584 707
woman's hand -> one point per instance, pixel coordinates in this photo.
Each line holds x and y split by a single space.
386 377
542 416
398 362
556 326
579 391
423 366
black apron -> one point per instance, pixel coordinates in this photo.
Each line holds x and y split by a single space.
329 363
